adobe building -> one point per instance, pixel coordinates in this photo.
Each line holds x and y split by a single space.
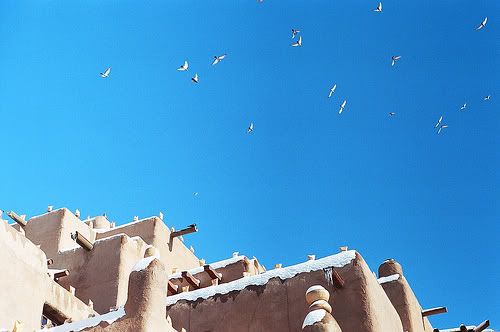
60 273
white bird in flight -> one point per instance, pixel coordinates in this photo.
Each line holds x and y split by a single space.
298 42
441 128
395 58
483 24
250 128
463 106
379 8
487 98
184 67
218 59
342 106
332 90
438 123
392 113
105 73
195 78
195 194
295 32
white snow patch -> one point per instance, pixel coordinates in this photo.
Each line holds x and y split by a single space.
392 277
313 317
470 327
110 317
338 260
313 288
215 265
144 263
124 225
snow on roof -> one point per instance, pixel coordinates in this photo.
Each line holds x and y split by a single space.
44 214
313 317
109 317
101 240
470 327
144 263
124 225
338 260
313 288
215 265
392 277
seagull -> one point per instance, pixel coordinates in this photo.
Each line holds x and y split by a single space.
487 97
50 208
332 90
105 73
342 106
394 59
438 123
392 113
441 128
195 78
298 42
250 128
295 32
77 213
379 8
463 106
195 193
184 67
483 24
217 59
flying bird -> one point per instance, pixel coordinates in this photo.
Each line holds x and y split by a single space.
463 106
392 113
438 123
298 42
441 128
487 98
105 73
195 193
218 59
332 90
483 24
195 78
395 58
342 106
250 128
379 8
295 32
184 67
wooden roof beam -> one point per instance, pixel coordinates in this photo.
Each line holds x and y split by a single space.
482 326
172 288
190 279
212 273
188 230
434 311
82 241
21 220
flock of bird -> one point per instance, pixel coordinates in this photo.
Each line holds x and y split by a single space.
298 43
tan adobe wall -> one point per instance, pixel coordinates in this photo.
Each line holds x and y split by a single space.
280 306
153 231
403 298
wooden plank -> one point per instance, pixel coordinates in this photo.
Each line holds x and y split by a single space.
434 311
190 279
212 273
482 326
61 274
14 216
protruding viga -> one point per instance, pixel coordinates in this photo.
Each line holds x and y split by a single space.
319 318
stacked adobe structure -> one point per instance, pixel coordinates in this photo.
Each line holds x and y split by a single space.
141 277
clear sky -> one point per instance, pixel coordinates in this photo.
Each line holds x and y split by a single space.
307 180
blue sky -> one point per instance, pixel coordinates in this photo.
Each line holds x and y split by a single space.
308 179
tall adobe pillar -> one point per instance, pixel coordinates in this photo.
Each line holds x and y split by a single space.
319 318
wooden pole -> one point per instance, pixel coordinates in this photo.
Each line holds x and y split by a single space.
61 274
434 311
172 288
212 273
482 326
14 216
337 279
82 241
50 261
190 229
190 279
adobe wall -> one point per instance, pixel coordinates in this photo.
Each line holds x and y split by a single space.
101 274
153 231
52 231
403 299
280 306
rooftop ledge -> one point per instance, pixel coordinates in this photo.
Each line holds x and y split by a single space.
339 260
